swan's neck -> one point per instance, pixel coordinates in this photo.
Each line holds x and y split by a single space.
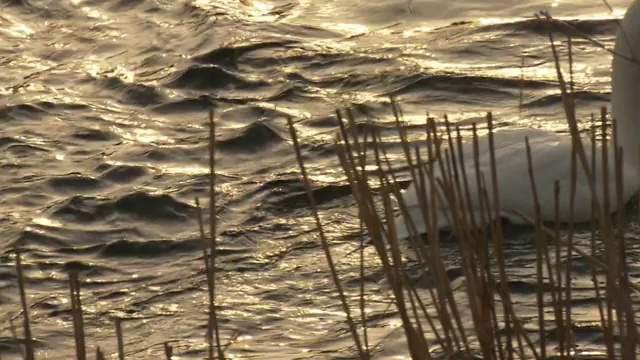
625 85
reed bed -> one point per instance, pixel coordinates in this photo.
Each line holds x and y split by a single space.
498 332
431 318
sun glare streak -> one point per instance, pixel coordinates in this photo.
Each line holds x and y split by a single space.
140 135
17 30
170 169
346 28
96 67
46 222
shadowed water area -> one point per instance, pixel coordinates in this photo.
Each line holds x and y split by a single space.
103 143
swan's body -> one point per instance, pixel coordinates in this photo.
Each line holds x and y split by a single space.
551 154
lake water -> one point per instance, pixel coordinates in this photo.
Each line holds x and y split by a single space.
103 143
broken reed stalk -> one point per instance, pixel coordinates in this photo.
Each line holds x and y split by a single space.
362 353
28 341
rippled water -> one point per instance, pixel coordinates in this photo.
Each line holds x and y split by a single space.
104 146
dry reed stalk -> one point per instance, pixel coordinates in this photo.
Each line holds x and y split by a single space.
394 271
168 351
429 206
399 280
119 339
597 209
468 254
99 354
441 281
213 326
445 342
451 343
453 193
567 28
521 93
458 216
486 275
14 335
363 302
416 305
540 245
209 253
557 298
325 245
363 314
76 313
618 287
593 227
28 340
498 251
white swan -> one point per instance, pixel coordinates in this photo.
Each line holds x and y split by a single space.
551 153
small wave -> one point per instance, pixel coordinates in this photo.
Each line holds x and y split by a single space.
200 77
149 248
37 235
254 137
555 99
78 208
133 94
288 194
121 173
464 84
89 134
590 27
81 240
152 207
21 111
36 110
16 3
6 141
326 121
136 205
192 104
228 55
250 113
158 154
73 183
24 150
140 5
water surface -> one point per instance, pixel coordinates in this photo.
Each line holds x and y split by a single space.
103 110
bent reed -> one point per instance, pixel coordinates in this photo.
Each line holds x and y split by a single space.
497 331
